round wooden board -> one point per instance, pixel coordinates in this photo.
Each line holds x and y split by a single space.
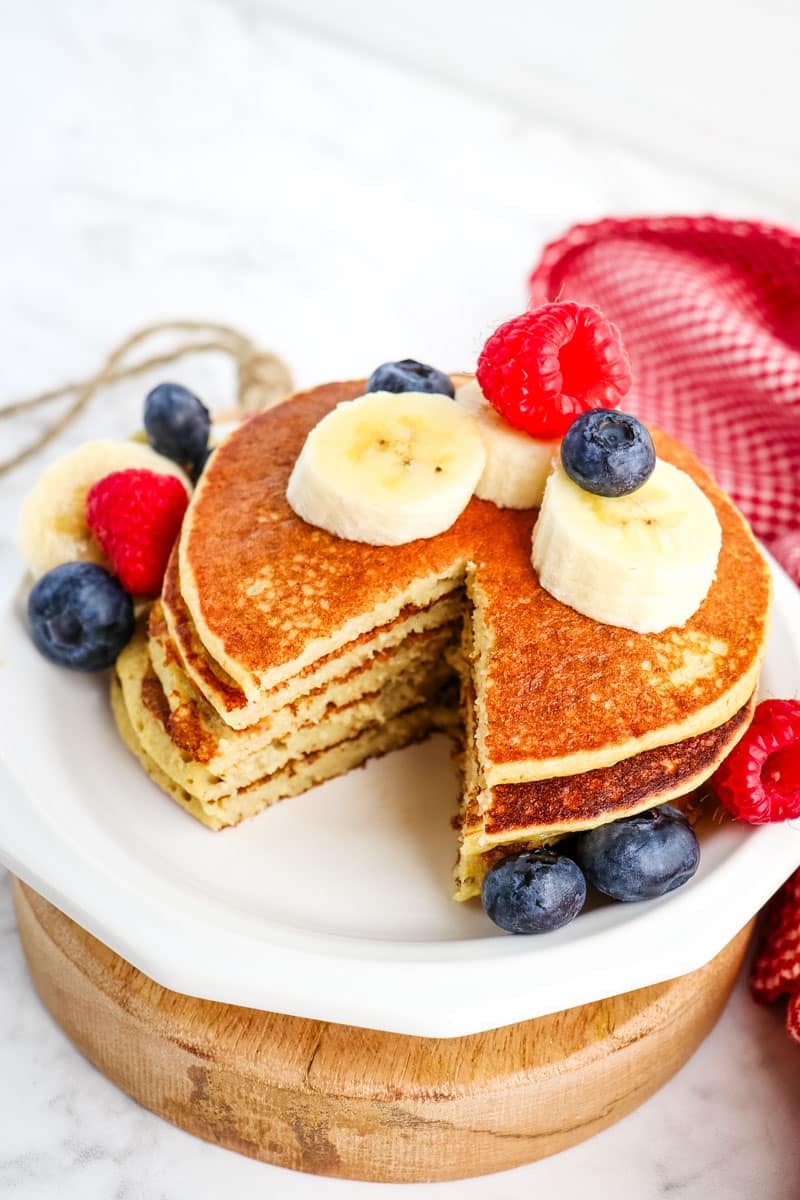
356 1103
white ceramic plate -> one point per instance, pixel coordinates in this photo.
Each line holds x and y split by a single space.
335 905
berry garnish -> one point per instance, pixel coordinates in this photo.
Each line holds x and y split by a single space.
776 968
547 366
177 423
202 463
793 1017
759 781
80 616
408 375
639 857
533 892
608 453
135 517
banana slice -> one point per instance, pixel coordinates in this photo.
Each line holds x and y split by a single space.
388 468
643 561
517 465
52 528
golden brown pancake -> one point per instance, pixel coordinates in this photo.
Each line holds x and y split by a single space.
142 732
174 635
281 655
511 816
201 734
515 815
187 749
556 692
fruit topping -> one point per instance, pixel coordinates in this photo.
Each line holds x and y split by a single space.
639 857
544 368
52 527
517 465
644 561
408 375
177 423
80 616
387 469
759 781
608 453
202 463
776 968
135 517
534 891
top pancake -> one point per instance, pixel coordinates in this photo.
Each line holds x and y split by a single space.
556 692
176 645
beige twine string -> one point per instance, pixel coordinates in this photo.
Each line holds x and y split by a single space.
263 377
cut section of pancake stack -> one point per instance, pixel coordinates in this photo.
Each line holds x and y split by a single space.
280 655
394 688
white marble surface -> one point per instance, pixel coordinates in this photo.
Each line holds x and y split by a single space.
710 84
207 160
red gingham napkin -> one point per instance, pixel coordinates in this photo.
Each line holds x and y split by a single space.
709 311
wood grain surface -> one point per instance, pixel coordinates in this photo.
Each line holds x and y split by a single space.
357 1103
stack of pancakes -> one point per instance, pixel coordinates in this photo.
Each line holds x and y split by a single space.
280 655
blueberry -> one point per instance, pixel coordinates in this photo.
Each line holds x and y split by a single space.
408 375
80 616
608 453
202 463
533 892
177 423
639 857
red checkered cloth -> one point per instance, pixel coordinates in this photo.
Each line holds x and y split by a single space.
709 311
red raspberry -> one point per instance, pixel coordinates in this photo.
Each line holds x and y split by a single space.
544 368
770 710
759 781
135 517
793 1017
776 968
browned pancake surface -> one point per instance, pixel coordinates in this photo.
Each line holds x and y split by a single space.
588 797
576 682
268 584
189 650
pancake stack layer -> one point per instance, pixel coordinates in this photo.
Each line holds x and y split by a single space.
280 655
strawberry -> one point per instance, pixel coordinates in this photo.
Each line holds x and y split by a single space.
135 517
544 368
